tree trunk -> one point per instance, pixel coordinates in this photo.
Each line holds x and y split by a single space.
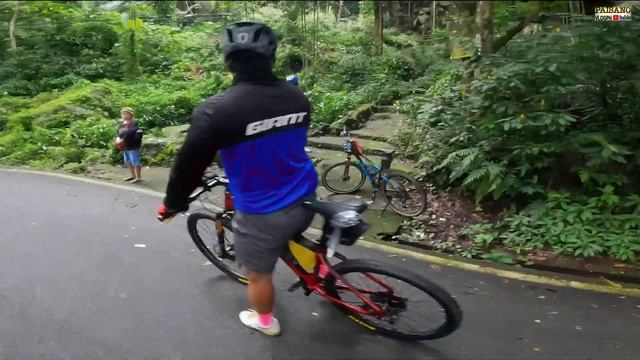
12 28
485 26
533 17
395 13
378 25
433 16
340 6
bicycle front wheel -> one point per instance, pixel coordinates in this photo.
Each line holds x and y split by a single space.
343 178
405 195
414 308
214 239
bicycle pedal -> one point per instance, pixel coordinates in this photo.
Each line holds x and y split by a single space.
295 286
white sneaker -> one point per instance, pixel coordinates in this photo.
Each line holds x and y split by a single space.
250 319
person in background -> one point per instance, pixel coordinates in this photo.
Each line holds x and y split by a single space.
293 80
129 140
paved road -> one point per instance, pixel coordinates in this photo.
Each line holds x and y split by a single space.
74 286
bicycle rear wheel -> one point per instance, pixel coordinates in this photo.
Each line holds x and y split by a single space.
405 195
343 178
214 239
423 311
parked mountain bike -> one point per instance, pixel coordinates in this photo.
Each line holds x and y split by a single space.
382 298
402 193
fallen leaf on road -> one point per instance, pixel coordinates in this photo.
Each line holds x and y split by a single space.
207 263
392 255
133 228
140 245
314 314
619 265
542 297
578 327
537 321
623 297
595 306
536 349
192 250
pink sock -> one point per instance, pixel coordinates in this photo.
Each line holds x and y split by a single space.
323 271
265 319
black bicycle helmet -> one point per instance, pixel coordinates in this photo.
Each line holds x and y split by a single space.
249 36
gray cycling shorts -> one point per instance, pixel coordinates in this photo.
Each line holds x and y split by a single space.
260 239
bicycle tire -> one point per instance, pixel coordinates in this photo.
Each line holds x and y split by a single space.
335 190
421 194
192 226
452 311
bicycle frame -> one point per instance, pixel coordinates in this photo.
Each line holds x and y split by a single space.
311 282
364 166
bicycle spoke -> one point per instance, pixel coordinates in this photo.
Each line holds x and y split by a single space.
210 238
417 309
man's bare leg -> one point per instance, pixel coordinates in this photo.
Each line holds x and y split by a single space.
132 171
260 292
261 296
138 173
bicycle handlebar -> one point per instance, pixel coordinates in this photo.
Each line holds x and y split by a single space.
209 183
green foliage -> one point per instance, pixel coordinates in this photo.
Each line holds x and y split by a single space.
607 224
166 156
82 100
547 116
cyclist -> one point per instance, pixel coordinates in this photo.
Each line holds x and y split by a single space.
259 125
293 80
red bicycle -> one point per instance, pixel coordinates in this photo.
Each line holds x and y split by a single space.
382 298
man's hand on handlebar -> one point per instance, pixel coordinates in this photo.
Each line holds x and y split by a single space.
208 183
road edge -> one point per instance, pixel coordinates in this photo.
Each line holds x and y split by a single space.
423 255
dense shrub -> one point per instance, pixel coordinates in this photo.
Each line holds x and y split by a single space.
535 121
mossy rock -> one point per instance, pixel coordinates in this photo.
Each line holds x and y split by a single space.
320 129
63 155
165 157
355 119
152 146
75 168
66 107
95 156
176 132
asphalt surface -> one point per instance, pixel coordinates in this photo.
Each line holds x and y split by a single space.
73 285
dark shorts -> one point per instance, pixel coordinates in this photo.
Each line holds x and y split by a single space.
261 239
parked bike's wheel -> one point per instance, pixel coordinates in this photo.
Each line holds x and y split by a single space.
202 229
343 178
406 196
414 307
